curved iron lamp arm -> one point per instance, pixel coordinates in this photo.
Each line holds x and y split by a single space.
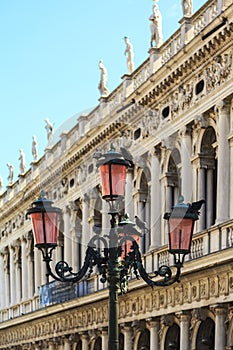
133 261
92 258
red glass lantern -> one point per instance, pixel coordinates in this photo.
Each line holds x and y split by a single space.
180 227
126 229
44 219
112 167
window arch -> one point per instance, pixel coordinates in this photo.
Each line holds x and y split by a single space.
208 177
144 340
173 178
206 335
172 340
143 207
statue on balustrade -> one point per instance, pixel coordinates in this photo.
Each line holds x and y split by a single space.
187 8
22 165
103 80
130 55
156 27
34 148
49 129
11 174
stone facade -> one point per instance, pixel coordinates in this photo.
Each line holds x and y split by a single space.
173 117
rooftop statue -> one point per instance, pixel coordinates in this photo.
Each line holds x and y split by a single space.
49 129
187 8
22 165
103 80
34 148
11 174
130 55
156 27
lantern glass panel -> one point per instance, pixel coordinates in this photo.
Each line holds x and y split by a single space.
180 234
113 178
51 227
127 245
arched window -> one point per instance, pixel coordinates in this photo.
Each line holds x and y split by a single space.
172 341
173 179
143 211
144 340
208 177
206 335
98 344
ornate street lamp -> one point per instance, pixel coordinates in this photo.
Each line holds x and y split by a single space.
120 255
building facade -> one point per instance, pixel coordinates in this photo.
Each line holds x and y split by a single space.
174 116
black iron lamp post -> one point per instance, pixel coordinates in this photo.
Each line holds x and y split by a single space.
120 255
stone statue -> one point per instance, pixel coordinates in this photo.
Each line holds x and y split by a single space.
103 80
156 27
34 148
11 174
22 165
49 129
130 55
187 8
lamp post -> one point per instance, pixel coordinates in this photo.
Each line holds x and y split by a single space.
120 254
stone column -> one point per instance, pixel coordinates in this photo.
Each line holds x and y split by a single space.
201 195
6 276
127 330
220 331
85 224
74 237
85 340
25 277
223 175
38 264
185 318
153 325
29 252
12 277
51 345
67 344
67 237
155 225
104 336
186 169
2 285
18 274
129 205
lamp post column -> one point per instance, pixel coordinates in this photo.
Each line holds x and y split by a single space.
113 280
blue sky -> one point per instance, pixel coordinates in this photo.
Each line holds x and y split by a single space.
50 51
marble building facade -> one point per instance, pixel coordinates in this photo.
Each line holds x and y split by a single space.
174 115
